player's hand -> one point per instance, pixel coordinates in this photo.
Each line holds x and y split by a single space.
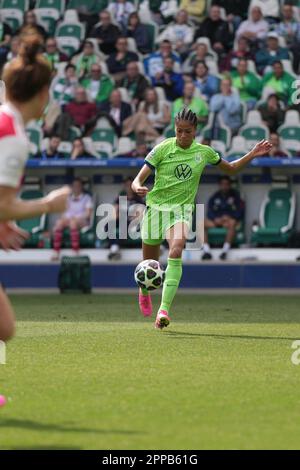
12 237
140 190
262 148
57 200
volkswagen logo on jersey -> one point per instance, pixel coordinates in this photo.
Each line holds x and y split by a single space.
183 172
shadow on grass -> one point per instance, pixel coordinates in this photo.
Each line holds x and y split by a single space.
30 425
186 335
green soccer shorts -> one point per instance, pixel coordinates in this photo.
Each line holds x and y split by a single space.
157 222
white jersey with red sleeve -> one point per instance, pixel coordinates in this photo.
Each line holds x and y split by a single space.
14 146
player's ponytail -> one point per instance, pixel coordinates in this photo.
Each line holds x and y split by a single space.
29 72
186 114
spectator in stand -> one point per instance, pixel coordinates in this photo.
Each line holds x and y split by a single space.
139 32
53 54
64 89
79 151
269 9
255 29
88 11
272 113
5 38
106 33
194 8
31 20
289 29
85 60
169 80
150 119
80 109
98 85
207 84
266 57
154 63
118 60
227 105
117 109
236 10
281 82
180 33
225 209
132 199
232 59
247 83
134 82
201 54
163 11
77 216
196 104
276 150
14 48
52 151
120 11
217 30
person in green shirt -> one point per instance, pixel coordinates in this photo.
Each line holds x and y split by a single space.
281 82
195 104
98 85
85 60
247 83
178 163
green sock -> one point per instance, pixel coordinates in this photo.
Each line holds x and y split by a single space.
172 280
144 291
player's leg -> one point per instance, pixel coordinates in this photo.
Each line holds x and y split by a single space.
176 237
58 229
230 224
206 248
75 224
7 317
151 237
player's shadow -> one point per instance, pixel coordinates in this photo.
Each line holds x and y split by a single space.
187 335
37 426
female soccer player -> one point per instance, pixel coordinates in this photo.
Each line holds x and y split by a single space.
178 163
27 79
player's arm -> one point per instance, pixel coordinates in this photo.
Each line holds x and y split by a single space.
12 208
138 182
231 168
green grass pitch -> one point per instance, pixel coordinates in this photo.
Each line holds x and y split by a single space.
88 372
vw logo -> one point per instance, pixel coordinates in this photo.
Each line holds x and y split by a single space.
183 172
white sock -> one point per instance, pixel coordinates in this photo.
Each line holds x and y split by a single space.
114 248
206 248
226 247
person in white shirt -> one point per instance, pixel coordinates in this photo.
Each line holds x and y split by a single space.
180 33
255 28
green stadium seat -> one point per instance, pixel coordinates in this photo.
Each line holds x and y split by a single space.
35 136
289 132
12 12
223 134
217 235
104 142
49 12
237 150
58 5
36 225
254 130
277 216
69 36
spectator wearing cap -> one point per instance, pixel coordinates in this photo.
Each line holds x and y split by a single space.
106 33
272 53
207 84
98 85
255 28
195 103
247 83
154 63
180 33
217 30
200 54
85 60
269 8
281 82
118 60
169 80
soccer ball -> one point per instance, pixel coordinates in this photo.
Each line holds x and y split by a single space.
149 274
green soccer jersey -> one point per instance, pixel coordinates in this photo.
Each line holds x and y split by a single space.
177 172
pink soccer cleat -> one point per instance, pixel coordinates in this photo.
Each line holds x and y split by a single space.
162 319
145 304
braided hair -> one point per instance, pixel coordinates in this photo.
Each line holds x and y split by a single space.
186 114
